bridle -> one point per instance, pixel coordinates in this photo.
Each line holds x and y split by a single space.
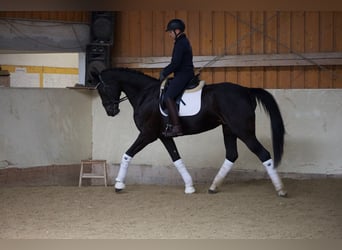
104 84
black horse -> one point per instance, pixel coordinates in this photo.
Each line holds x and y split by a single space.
230 105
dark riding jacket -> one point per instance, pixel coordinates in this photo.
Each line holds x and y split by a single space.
181 65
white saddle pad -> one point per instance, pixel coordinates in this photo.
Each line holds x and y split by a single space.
191 102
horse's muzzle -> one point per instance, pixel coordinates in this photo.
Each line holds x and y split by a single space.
113 110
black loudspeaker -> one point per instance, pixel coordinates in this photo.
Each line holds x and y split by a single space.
102 26
98 58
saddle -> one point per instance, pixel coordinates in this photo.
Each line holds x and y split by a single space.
188 102
193 85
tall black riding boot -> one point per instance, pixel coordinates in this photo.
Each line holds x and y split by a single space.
175 129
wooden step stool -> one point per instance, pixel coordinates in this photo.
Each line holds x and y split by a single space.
92 175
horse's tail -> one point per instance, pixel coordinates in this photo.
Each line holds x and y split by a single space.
277 125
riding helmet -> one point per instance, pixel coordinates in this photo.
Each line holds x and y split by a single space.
175 24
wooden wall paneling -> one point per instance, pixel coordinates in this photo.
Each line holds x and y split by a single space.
219 36
134 30
158 37
158 34
122 38
311 45
337 82
326 38
271 47
117 39
284 39
146 18
193 31
168 41
244 45
297 46
146 33
257 73
231 43
183 15
338 31
337 77
206 42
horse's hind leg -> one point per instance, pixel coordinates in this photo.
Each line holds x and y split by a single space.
231 156
255 146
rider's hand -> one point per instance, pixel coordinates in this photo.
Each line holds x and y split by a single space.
161 76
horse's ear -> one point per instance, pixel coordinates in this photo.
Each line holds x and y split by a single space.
94 70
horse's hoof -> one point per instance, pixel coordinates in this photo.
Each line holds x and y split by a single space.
210 191
282 193
189 190
119 186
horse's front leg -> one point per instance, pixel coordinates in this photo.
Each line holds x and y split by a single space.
178 162
120 179
137 146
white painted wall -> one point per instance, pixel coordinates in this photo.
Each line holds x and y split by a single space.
44 126
63 126
313 121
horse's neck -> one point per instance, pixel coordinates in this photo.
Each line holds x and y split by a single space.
138 92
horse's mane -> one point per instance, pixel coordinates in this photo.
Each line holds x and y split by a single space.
129 70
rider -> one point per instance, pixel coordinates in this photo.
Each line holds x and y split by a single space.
183 69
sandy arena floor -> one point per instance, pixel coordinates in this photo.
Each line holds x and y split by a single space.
242 210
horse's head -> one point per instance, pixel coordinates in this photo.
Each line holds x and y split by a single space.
109 91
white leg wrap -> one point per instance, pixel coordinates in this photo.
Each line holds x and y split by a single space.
222 173
189 189
272 172
123 168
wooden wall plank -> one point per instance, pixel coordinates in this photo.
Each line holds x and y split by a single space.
311 45
193 31
326 44
284 30
337 77
146 20
337 31
270 47
337 82
183 15
257 40
244 45
158 34
297 46
219 37
168 41
158 37
231 43
123 37
206 41
134 33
